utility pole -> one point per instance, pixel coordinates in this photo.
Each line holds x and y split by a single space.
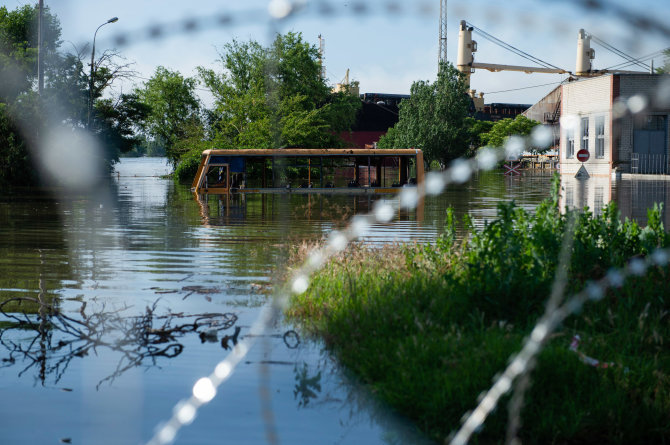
443 33
40 44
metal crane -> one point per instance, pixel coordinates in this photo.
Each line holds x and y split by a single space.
442 56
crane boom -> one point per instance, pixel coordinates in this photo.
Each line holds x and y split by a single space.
494 67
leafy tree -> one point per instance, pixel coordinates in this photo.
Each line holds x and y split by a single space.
475 129
275 97
66 89
505 128
18 47
20 119
64 99
14 156
109 68
173 109
120 121
665 69
433 118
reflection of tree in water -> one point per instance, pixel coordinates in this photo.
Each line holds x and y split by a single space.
306 387
359 406
49 339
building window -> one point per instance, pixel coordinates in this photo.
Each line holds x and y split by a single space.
652 122
600 137
570 143
585 134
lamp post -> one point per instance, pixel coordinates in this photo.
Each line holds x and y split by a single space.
90 86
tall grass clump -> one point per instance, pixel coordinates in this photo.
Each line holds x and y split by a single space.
427 327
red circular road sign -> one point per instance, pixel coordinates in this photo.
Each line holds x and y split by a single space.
583 155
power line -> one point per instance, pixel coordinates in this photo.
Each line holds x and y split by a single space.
618 52
511 48
526 88
643 59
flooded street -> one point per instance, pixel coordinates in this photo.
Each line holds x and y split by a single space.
146 289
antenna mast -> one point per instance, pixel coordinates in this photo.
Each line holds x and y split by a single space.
443 33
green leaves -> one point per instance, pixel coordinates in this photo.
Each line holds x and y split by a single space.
504 128
275 97
18 48
174 109
432 119
665 69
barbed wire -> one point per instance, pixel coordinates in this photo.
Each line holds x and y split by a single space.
459 172
279 11
524 360
205 389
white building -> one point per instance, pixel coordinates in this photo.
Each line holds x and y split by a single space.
621 120
595 115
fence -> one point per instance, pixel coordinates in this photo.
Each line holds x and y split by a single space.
650 164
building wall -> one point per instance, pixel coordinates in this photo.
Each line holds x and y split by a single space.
361 139
546 112
629 86
590 99
594 97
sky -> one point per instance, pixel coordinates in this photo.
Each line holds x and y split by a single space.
386 44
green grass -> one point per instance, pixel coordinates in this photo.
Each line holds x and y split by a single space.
427 327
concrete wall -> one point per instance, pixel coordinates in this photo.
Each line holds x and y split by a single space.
546 107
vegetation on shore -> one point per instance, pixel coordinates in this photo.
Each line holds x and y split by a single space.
264 97
428 326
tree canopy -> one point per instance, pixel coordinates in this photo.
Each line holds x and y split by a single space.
275 97
18 47
173 109
665 68
432 119
475 129
63 102
504 128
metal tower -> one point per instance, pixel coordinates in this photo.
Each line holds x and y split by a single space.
322 56
443 32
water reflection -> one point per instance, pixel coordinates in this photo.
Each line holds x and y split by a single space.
593 192
50 339
633 197
306 387
320 384
144 238
232 209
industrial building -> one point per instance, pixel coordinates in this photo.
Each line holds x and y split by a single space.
617 120
496 111
610 120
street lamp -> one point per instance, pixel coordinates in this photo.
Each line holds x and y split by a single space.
90 86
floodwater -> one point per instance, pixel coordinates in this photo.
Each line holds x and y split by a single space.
141 289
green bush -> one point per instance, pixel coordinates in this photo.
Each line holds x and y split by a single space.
15 157
428 326
187 166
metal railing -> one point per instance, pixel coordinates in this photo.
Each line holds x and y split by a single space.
650 164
